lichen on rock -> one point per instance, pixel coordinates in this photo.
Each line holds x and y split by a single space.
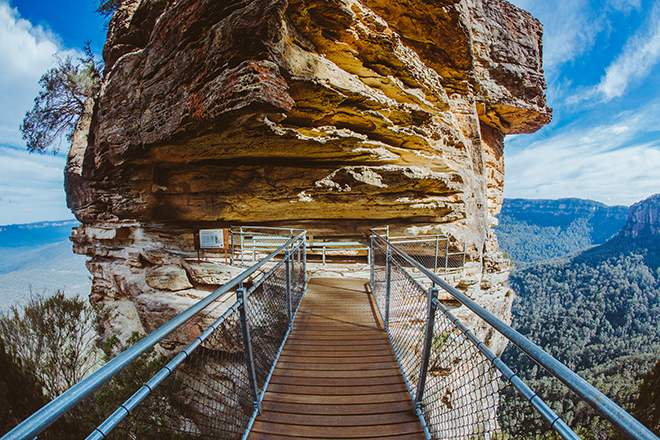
332 116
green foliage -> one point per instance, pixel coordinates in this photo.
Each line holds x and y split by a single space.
52 344
647 407
20 391
598 315
108 7
54 338
125 383
57 108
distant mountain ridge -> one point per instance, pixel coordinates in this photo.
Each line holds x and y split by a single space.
38 257
532 230
639 235
33 234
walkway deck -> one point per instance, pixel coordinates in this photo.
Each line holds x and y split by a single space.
337 377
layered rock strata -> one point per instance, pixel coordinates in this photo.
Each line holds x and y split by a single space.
333 116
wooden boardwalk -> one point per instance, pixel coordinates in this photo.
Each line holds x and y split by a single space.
337 377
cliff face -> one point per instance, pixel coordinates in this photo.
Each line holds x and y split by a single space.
643 220
332 116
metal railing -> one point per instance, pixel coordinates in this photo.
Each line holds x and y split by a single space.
214 387
460 388
432 252
342 247
250 244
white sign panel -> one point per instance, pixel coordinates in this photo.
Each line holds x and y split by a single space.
211 239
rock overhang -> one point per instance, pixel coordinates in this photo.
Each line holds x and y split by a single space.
335 116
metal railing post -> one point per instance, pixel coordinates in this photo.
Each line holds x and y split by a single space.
231 260
388 285
247 347
288 267
428 343
372 263
446 254
242 251
304 269
435 260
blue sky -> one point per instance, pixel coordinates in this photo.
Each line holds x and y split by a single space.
601 61
601 57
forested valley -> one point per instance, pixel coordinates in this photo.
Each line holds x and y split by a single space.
599 313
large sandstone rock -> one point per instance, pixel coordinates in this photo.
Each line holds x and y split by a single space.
334 116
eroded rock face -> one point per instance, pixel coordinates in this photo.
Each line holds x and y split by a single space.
331 116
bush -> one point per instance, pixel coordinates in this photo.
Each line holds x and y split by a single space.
20 391
55 339
51 344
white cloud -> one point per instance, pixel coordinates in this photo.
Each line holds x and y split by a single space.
641 53
625 5
26 53
31 187
30 184
606 162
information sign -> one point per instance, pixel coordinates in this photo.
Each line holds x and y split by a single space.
213 239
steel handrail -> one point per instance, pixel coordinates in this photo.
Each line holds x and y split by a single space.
623 421
49 413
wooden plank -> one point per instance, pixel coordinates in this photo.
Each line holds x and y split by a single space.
339 420
356 391
337 400
336 381
336 352
343 360
334 367
327 409
330 328
311 337
332 346
260 436
347 374
300 343
337 432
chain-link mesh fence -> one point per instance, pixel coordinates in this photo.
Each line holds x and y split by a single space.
212 388
465 396
433 252
209 394
206 396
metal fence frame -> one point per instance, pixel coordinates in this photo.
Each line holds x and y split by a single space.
440 244
48 414
619 418
254 241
